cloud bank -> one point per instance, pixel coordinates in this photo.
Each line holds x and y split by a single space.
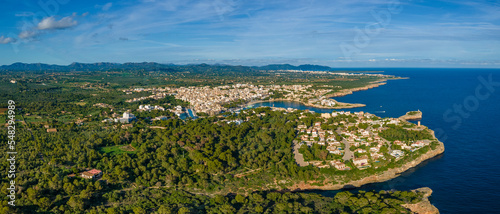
308 31
27 34
51 23
6 40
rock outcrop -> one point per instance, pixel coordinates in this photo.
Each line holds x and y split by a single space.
424 206
412 115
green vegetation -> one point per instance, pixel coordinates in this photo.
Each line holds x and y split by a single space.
399 133
170 166
171 201
118 149
413 112
316 152
81 85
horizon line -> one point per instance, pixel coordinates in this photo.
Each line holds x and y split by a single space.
255 65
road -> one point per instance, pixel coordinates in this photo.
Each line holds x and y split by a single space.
299 158
348 154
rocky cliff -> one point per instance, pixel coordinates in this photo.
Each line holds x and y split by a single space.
424 206
385 176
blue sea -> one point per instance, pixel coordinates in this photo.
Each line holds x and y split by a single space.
462 106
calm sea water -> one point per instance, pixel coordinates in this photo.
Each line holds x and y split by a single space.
466 178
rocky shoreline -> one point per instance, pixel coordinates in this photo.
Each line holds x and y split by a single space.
409 116
345 92
424 206
385 176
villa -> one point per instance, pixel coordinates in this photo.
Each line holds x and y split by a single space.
339 165
127 118
362 161
397 154
92 174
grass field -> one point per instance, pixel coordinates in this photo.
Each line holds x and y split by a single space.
66 118
33 119
80 103
118 149
96 112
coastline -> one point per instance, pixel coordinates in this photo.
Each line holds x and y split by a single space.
377 178
338 105
345 92
424 206
345 105
385 176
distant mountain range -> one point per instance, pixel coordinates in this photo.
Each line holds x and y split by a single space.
76 66
104 66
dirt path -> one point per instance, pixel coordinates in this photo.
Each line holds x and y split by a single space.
299 158
246 173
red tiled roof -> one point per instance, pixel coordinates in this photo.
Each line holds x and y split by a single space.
94 171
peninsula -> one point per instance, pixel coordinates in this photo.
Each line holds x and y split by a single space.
108 141
354 149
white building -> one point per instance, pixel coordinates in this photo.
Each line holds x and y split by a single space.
397 153
328 102
127 118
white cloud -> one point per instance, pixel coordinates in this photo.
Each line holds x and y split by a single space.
48 23
27 34
51 23
6 40
104 7
107 6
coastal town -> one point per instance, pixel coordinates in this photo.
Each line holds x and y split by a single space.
261 107
354 140
347 140
148 136
214 100
219 99
344 140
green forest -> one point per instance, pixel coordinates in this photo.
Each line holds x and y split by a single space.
173 166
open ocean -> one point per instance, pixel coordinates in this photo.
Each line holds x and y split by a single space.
466 178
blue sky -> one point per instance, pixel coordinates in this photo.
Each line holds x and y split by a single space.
354 33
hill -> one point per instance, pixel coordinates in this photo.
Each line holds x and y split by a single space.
105 66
